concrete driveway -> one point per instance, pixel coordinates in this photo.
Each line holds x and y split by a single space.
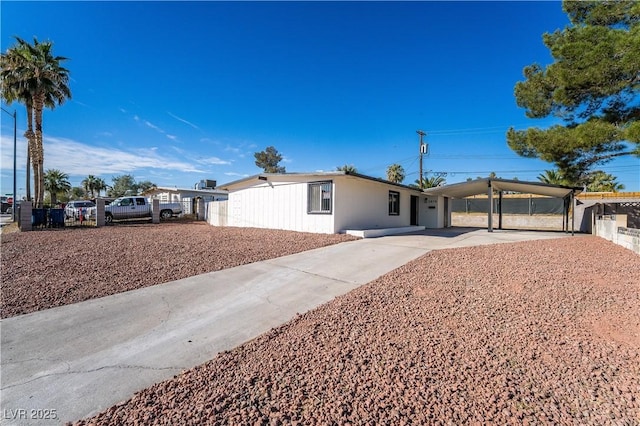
73 361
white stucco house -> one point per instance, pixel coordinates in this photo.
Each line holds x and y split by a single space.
327 202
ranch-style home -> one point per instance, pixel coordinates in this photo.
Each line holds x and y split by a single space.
327 202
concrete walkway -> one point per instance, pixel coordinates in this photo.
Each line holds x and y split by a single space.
73 361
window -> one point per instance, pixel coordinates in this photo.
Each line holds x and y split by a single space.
394 203
320 197
140 201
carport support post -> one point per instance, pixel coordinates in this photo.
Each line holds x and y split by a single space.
573 211
490 217
155 210
500 210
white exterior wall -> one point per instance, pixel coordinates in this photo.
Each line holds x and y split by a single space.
432 212
362 204
276 205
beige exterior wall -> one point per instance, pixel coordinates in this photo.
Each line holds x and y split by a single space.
432 212
362 204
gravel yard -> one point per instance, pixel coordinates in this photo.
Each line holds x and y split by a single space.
541 332
44 269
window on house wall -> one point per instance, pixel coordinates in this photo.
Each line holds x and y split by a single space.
320 197
394 203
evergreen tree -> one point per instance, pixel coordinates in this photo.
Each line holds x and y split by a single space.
269 160
593 85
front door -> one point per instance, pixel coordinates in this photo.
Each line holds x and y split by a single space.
414 210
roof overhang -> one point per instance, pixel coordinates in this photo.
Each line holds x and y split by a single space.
283 177
481 186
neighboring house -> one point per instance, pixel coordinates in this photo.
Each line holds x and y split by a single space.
331 202
188 197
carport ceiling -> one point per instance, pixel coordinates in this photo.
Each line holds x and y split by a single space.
481 186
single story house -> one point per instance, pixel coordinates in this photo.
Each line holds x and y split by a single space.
327 202
345 202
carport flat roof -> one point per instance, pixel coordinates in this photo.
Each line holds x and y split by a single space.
481 186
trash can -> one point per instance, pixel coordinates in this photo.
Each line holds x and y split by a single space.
56 218
38 217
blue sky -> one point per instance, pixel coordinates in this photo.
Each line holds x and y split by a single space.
176 92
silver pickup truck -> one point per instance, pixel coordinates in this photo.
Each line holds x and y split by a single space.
132 207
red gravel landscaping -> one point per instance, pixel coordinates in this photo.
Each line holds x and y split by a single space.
541 332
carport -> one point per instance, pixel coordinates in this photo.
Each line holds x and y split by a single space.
491 185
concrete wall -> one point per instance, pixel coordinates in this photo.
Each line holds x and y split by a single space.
216 213
613 228
541 222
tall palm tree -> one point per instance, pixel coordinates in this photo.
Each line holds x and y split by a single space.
31 71
89 185
395 173
14 88
100 185
56 182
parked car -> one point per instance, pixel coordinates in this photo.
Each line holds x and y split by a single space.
132 207
73 209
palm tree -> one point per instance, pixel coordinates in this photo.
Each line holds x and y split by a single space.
13 88
599 181
100 185
552 177
31 73
56 182
89 185
395 173
431 182
349 168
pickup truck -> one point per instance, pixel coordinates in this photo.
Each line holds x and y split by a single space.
133 207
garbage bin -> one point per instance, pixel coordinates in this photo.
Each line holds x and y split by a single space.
56 218
38 217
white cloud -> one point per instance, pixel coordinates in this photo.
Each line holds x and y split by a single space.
172 137
236 174
76 158
213 160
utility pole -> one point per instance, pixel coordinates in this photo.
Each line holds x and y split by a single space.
423 150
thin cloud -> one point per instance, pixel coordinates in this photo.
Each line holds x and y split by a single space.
184 121
213 160
172 137
153 126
